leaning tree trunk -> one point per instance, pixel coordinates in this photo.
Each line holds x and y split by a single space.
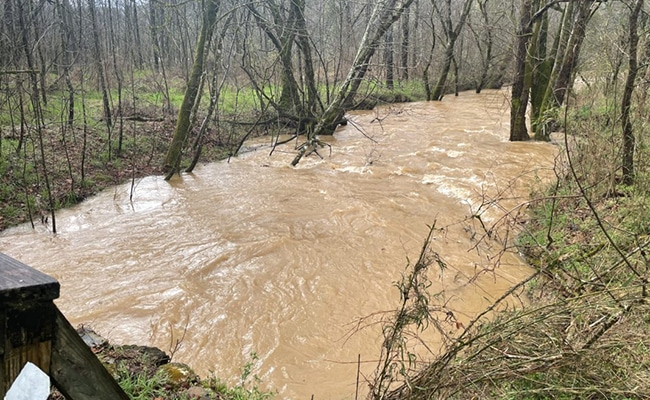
439 89
183 125
562 40
384 15
382 18
628 133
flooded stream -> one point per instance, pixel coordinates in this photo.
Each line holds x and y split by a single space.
254 256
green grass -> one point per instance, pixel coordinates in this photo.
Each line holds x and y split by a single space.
139 386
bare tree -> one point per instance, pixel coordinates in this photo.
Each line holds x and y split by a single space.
549 89
99 65
183 125
628 132
451 34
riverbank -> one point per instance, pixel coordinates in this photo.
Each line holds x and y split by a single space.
583 330
83 159
82 165
147 373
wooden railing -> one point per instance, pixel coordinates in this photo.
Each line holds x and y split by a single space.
32 329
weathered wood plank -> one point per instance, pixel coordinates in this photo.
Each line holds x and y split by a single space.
76 371
15 359
21 283
27 333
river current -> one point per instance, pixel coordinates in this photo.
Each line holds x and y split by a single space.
255 256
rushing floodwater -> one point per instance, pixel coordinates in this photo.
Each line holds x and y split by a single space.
257 256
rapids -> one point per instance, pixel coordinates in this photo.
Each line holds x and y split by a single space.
254 256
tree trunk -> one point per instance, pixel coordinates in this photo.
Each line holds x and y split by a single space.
118 78
183 126
389 60
66 38
567 68
486 54
282 33
384 14
562 40
153 31
404 47
302 38
439 89
539 74
99 64
138 41
628 133
452 35
519 98
36 107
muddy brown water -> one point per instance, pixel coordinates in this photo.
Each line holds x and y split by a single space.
254 256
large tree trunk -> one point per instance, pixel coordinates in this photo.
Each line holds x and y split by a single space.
302 38
540 68
439 89
628 133
567 68
519 98
183 125
531 11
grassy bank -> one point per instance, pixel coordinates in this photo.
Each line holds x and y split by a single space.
77 160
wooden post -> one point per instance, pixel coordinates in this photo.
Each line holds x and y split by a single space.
27 315
33 329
